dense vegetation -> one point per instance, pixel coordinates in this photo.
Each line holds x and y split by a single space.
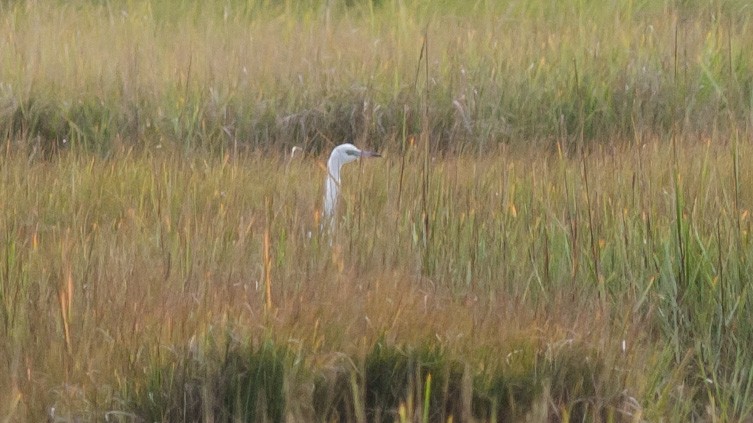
233 74
560 228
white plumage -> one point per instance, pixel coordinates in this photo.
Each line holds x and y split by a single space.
342 154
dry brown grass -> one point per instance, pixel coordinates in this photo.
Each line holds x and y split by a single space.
597 221
116 267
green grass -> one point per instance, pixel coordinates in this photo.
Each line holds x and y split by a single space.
575 246
230 75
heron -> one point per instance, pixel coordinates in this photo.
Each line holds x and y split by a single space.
342 154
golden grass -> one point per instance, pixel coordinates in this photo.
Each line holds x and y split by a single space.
113 265
600 210
229 74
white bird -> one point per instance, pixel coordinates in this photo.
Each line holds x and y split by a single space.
342 154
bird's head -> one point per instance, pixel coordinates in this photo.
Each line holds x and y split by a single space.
346 153
342 154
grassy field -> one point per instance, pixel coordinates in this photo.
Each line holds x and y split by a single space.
228 75
608 287
572 244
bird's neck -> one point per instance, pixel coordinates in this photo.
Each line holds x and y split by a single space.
332 186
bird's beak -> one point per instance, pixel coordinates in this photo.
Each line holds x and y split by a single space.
367 154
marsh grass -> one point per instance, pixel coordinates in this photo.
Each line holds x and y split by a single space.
584 258
254 75
230 381
133 284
